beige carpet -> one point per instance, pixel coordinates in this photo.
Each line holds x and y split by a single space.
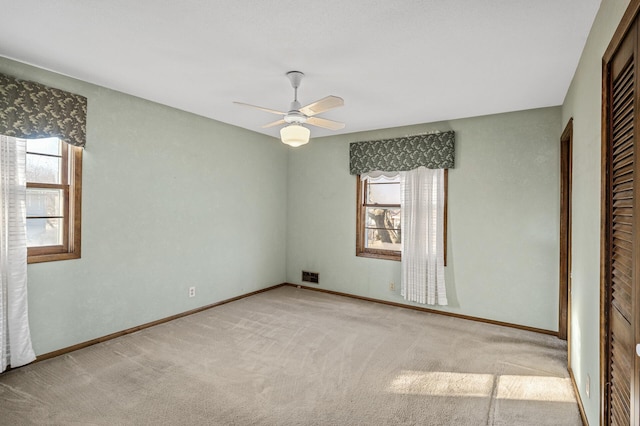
297 357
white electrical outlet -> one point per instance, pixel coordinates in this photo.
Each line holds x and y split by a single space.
192 292
588 386
392 286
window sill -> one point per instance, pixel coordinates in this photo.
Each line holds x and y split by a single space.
52 257
378 255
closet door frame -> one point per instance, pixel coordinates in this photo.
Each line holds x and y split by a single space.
626 24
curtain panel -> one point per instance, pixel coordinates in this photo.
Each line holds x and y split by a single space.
32 110
433 151
15 338
422 201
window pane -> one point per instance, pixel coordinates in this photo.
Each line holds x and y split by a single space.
44 202
383 228
43 169
49 146
383 217
44 232
381 193
374 241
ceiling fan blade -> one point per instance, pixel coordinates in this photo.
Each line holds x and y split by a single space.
275 123
324 123
261 108
322 105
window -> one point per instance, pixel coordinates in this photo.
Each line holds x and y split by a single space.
54 184
379 230
378 216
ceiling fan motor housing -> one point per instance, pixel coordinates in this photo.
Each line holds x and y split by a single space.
294 116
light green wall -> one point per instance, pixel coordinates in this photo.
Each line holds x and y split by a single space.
583 103
170 200
503 218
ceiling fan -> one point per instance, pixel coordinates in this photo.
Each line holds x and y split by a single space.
295 134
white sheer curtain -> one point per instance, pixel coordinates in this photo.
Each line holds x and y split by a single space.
15 338
422 200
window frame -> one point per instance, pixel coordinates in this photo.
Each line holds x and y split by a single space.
361 227
71 185
362 250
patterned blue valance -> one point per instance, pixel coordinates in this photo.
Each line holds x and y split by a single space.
433 151
32 110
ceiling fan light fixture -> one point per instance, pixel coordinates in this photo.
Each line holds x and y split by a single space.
294 135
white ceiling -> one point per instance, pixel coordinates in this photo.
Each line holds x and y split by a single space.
395 62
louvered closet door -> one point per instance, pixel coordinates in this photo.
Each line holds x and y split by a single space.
622 236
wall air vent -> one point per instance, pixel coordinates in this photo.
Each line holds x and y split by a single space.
311 277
